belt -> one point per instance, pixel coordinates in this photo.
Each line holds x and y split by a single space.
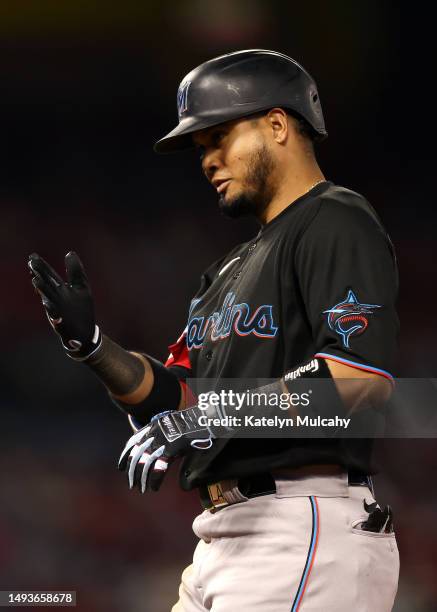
218 495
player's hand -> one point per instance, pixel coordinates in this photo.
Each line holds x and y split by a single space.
150 451
68 304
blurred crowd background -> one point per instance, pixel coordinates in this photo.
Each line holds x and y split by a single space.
86 89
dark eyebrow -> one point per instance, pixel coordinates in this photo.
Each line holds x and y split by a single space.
215 131
211 138
218 130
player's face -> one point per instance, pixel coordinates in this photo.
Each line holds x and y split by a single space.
238 163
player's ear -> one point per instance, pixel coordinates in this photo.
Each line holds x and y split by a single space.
278 123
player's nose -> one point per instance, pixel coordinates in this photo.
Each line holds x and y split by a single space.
211 163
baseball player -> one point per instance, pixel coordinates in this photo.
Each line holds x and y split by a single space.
288 523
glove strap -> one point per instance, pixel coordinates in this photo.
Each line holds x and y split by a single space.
78 352
175 424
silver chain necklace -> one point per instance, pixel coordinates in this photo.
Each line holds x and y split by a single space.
316 183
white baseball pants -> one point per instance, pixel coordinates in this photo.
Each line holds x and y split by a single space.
298 549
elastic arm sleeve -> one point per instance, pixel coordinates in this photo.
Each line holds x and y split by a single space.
119 370
122 373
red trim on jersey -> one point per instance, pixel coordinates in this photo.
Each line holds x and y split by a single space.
357 366
179 356
179 353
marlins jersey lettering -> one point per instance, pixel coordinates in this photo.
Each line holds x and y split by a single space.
319 280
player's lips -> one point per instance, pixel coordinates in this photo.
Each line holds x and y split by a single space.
221 184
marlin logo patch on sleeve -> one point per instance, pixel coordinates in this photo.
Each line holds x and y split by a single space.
350 317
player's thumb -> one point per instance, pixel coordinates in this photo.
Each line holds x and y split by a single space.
75 271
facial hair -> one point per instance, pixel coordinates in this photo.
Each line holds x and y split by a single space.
258 190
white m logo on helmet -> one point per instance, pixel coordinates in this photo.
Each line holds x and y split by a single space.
183 98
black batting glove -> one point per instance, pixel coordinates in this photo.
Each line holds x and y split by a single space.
68 304
150 451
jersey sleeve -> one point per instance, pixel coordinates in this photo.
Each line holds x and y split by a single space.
347 275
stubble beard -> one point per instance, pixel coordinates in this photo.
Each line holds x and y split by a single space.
258 191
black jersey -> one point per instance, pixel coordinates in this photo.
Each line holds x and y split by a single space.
319 280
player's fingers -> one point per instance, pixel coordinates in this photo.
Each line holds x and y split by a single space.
76 275
135 455
45 290
147 460
37 265
50 307
158 473
133 440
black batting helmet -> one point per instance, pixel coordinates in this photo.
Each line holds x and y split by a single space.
240 84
